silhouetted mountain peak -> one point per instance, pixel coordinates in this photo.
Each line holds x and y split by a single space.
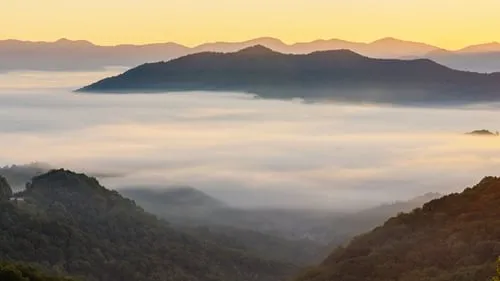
256 50
64 179
344 54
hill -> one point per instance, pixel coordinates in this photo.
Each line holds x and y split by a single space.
451 238
331 75
68 222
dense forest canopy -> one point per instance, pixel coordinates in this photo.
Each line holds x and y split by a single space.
68 222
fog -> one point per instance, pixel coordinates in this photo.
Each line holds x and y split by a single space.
246 151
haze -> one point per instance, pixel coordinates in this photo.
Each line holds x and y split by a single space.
448 24
246 151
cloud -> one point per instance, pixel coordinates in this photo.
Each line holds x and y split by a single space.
249 152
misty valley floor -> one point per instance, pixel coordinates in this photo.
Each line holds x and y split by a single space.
246 151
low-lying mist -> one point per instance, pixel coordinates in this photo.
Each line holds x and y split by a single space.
248 152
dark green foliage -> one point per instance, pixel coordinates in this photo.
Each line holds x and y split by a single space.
23 272
452 238
329 75
5 190
70 223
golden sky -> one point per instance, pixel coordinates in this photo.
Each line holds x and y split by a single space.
446 23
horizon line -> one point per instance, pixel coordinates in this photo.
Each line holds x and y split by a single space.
246 40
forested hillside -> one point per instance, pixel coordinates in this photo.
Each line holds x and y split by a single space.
454 238
22 272
68 222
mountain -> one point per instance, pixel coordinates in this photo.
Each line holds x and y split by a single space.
481 48
230 47
455 237
330 75
69 223
394 48
482 62
383 48
67 55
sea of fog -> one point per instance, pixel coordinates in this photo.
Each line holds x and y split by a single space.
246 151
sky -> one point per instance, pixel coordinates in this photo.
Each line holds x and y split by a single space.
449 24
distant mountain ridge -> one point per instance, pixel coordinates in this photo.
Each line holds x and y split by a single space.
324 75
68 55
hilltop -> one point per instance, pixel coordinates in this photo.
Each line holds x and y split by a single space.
320 76
451 238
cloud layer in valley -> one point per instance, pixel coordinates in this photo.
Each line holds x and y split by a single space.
247 151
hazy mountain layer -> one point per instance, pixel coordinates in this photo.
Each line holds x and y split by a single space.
67 55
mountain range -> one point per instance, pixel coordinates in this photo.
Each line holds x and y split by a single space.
340 75
68 55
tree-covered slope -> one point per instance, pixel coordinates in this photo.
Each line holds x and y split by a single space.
70 223
454 238
22 272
